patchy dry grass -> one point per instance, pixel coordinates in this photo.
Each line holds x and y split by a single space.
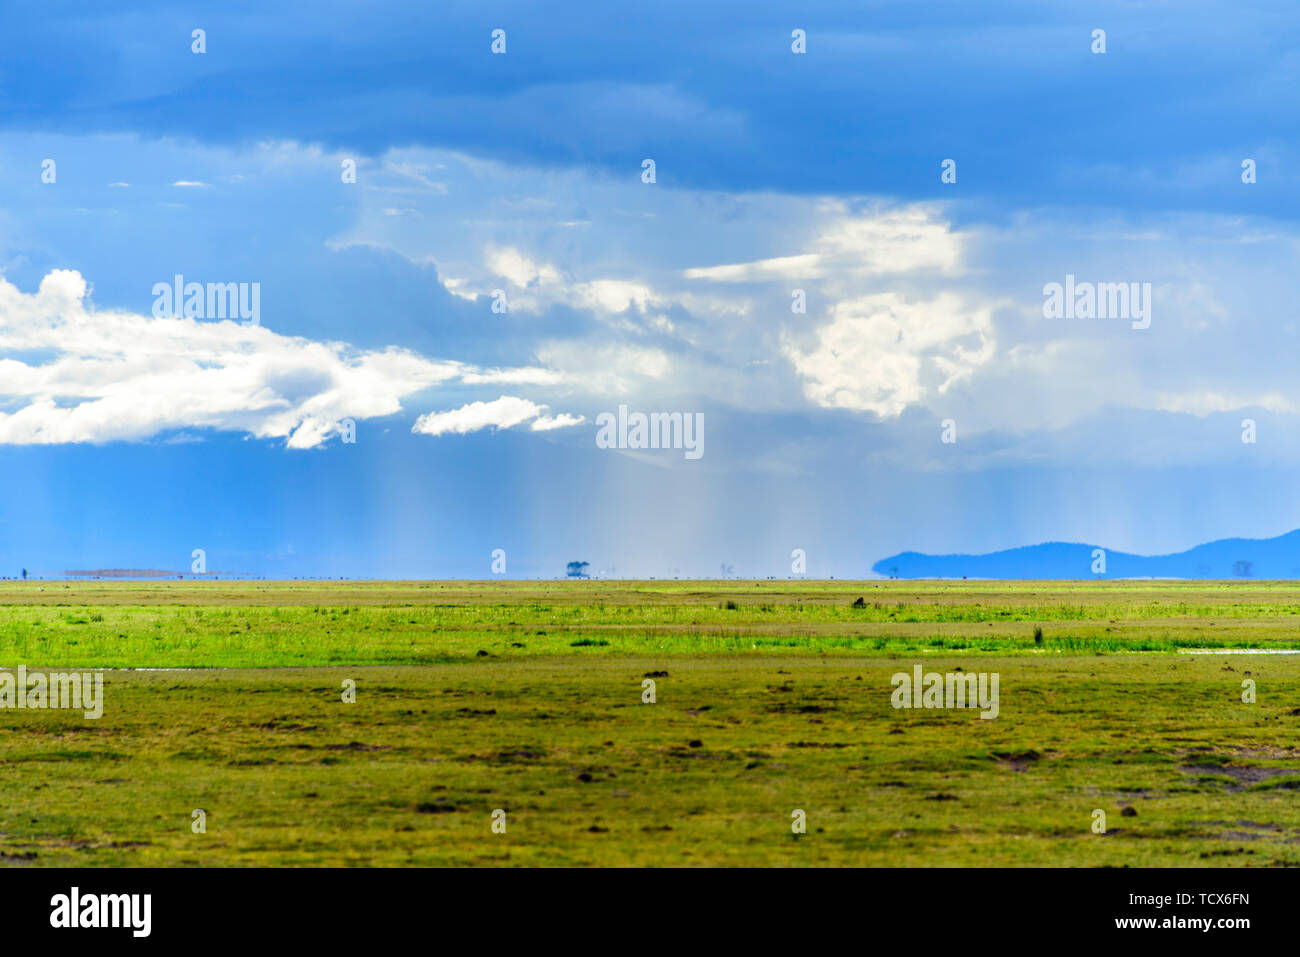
747 727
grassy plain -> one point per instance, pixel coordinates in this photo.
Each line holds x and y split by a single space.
771 696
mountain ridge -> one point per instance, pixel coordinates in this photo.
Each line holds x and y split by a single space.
1267 558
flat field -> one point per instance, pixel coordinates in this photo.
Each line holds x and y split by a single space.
771 697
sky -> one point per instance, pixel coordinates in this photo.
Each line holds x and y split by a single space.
457 266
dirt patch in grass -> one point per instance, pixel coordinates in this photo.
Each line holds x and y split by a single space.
785 708
1242 773
1016 760
437 806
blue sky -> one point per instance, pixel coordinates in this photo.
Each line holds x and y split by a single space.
131 439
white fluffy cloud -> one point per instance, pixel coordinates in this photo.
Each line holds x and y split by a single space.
505 412
71 373
882 353
853 246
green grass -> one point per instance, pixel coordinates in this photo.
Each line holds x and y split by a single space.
781 703
255 625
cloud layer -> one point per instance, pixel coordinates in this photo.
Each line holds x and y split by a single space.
505 412
76 374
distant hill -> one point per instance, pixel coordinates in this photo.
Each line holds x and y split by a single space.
121 573
1227 558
